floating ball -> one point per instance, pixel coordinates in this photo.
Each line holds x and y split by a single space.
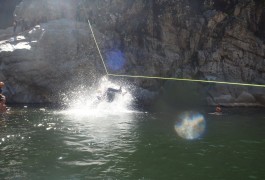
190 125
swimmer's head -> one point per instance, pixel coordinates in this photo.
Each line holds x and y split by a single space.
2 84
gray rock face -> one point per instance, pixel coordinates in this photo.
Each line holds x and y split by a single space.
224 99
6 11
41 63
181 39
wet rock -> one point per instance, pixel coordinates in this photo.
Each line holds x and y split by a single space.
245 97
145 97
224 99
217 18
261 99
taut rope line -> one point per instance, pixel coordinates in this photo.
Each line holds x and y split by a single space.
190 80
97 47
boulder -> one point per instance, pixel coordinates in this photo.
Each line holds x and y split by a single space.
245 97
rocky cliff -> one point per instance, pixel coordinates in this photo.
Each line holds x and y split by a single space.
219 40
7 8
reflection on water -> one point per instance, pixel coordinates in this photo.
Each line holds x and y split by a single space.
100 139
33 140
42 143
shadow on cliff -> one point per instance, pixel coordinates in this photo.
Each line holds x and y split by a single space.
180 95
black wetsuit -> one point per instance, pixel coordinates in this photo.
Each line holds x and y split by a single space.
110 94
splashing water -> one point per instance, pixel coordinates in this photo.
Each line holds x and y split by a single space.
88 103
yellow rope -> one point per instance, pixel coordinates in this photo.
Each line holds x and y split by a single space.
183 79
97 47
164 78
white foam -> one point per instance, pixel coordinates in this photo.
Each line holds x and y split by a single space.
87 104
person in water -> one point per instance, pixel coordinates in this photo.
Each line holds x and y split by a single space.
110 94
218 109
3 107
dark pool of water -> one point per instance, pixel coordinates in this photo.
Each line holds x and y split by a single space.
42 143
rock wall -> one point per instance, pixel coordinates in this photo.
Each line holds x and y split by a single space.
219 40
50 59
7 8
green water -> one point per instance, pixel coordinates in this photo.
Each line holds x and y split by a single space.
49 144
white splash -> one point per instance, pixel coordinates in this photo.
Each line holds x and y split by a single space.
13 44
88 104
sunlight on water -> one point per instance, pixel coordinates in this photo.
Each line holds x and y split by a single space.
190 125
94 104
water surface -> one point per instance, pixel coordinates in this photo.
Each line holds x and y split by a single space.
44 143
